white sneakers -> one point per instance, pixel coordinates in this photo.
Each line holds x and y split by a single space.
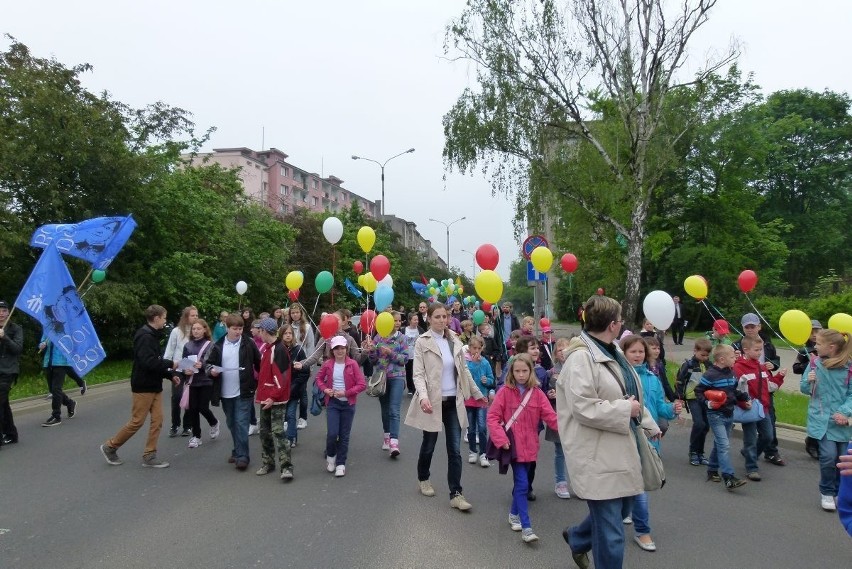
562 490
214 431
301 423
253 430
194 442
827 503
329 463
483 461
515 522
340 471
472 457
386 441
627 521
426 488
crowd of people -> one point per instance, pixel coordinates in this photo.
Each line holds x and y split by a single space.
497 384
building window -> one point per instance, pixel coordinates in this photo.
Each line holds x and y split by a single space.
315 201
314 183
264 188
285 191
284 172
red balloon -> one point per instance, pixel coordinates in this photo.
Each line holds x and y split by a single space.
368 319
486 306
293 295
379 266
600 291
747 280
329 325
569 262
544 322
487 257
358 267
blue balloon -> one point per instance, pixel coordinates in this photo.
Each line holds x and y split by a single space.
383 297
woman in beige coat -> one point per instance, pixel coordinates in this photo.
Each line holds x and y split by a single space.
442 383
598 401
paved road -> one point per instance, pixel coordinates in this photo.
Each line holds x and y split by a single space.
63 506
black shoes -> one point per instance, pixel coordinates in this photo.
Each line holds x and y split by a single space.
732 482
52 422
72 409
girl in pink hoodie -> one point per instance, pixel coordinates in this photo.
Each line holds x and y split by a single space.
520 391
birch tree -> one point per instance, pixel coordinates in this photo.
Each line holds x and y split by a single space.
542 68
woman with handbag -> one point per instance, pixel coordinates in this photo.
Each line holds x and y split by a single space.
198 385
443 382
518 408
389 356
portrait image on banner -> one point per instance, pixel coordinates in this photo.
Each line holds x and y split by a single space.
97 240
50 297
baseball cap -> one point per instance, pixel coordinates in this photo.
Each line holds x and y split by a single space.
815 325
750 319
268 325
721 327
338 341
4 304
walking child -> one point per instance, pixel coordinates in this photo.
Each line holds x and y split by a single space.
273 395
477 433
688 377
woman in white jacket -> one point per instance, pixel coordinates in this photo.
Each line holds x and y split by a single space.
598 401
174 351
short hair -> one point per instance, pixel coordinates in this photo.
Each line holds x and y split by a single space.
524 342
721 350
464 323
528 320
153 311
751 341
601 311
532 382
234 319
475 342
703 344
629 341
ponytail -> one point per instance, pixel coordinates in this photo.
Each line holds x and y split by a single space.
843 348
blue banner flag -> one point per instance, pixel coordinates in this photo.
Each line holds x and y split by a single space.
97 240
50 297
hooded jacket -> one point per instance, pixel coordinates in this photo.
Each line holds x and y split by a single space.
149 366
758 378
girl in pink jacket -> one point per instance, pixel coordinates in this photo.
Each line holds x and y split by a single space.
521 398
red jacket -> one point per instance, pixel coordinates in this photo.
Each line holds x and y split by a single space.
272 383
525 428
758 378
353 379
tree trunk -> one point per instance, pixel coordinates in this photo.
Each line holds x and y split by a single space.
635 245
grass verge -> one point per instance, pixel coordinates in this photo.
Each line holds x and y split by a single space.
29 385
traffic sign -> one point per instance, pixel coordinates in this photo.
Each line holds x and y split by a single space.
531 242
533 275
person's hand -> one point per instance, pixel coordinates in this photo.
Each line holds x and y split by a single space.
338 394
490 398
42 346
329 392
845 465
678 406
266 404
2 332
214 372
176 364
385 351
812 376
783 372
297 365
426 406
505 446
747 405
635 407
176 380
840 419
770 366
551 394
197 365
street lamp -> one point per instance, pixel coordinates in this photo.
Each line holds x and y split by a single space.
382 166
448 225
472 263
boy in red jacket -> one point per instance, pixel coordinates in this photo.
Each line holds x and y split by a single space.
273 393
761 382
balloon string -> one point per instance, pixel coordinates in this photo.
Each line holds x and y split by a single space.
315 306
87 290
779 336
722 316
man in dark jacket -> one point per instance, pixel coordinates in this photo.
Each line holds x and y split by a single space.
504 325
146 383
232 364
11 346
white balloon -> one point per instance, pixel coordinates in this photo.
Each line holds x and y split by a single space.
242 287
388 280
332 229
659 309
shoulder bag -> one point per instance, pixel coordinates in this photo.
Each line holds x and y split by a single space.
506 455
757 411
378 383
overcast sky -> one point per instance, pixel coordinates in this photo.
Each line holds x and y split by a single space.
329 79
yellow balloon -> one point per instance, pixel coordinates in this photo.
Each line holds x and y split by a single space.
696 287
841 322
542 259
384 324
366 238
370 283
361 280
796 326
294 280
489 286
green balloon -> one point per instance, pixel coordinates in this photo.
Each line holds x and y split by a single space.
478 317
98 276
324 282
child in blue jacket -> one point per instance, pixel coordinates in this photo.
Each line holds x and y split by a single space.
483 376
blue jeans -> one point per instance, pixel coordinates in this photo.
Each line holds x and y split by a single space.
290 417
520 471
390 403
559 463
476 429
452 430
602 532
829 475
237 413
339 415
640 514
757 437
720 456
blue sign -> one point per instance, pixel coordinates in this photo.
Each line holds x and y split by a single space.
531 242
534 275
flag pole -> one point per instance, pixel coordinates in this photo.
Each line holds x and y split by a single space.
88 276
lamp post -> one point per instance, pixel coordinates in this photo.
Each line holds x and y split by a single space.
472 262
382 166
448 225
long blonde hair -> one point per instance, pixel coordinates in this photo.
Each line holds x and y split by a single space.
302 320
532 382
839 341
